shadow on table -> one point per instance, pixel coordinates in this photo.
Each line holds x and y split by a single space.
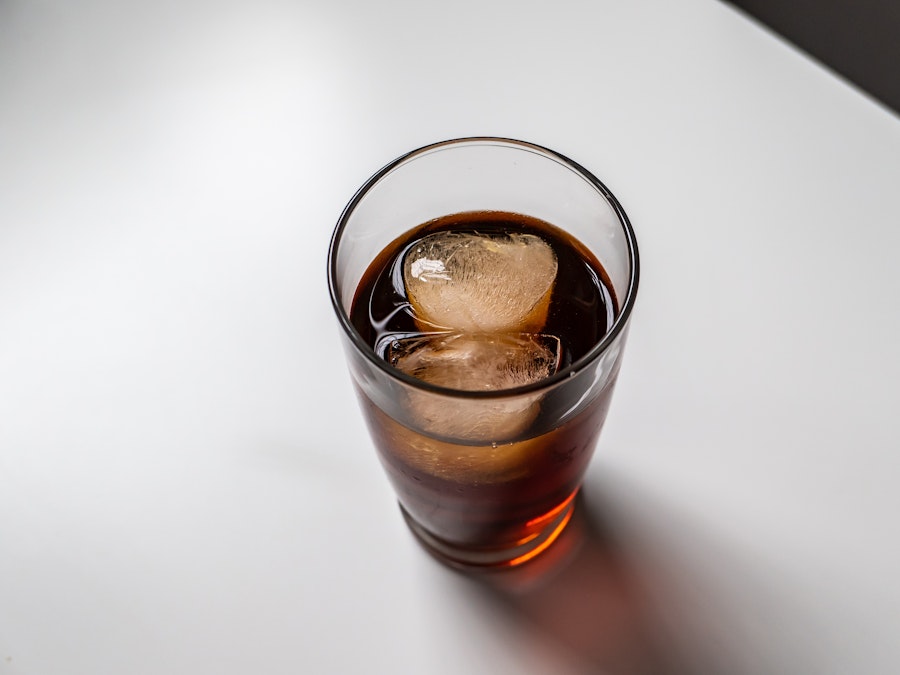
630 591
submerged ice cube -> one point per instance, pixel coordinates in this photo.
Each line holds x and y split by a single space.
471 282
475 362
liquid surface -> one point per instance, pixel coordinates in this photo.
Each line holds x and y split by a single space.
581 308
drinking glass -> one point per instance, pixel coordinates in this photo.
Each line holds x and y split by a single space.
495 493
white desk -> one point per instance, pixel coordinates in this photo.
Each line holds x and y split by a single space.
186 486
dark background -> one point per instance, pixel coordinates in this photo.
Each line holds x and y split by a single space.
858 39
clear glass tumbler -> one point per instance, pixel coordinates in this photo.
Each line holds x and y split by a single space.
485 476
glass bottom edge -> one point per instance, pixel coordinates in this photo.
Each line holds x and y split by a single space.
467 558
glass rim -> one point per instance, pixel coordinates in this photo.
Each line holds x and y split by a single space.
561 375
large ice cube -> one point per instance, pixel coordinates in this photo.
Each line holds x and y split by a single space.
475 362
470 282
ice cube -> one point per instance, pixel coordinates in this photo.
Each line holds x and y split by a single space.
471 282
475 362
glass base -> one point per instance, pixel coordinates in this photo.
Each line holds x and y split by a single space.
468 558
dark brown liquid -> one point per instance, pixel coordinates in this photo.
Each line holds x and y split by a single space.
582 307
484 496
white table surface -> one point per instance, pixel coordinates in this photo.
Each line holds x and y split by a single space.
186 486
